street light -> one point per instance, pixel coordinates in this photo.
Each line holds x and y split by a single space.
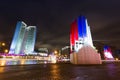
55 52
3 44
6 50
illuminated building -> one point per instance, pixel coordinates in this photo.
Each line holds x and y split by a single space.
108 53
42 51
24 39
80 34
81 45
29 40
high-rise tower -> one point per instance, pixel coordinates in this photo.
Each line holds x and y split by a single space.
82 51
30 39
80 34
24 39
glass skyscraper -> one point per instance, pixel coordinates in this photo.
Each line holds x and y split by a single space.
24 39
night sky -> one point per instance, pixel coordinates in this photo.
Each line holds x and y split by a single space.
54 17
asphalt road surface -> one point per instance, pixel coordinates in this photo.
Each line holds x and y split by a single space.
61 71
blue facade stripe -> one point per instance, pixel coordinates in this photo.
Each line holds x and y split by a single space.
82 28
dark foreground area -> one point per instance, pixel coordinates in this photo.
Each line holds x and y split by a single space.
61 71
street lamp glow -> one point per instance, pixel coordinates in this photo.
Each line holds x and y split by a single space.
55 52
3 44
6 50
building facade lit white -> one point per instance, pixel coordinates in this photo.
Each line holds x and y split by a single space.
24 39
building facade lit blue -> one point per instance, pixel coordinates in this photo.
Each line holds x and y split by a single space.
80 34
24 39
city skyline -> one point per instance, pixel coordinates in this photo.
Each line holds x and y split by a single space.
54 18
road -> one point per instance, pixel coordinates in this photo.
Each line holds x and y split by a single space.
61 71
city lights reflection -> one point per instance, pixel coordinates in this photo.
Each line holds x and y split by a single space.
55 73
2 69
2 63
22 62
